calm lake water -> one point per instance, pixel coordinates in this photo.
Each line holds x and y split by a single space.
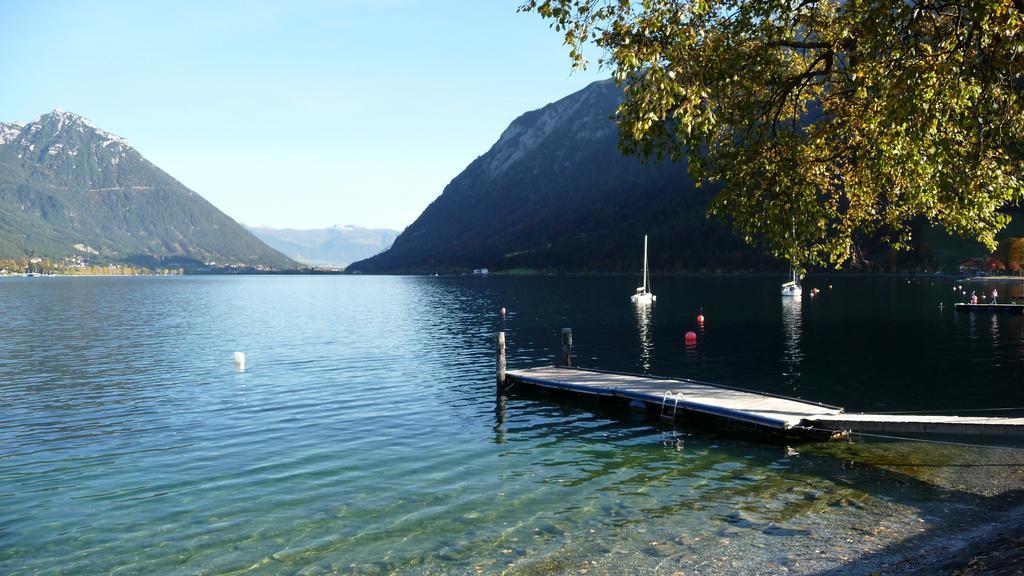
362 437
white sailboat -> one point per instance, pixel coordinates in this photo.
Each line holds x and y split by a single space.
792 288
643 293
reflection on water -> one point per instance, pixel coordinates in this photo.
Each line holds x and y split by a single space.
363 436
995 330
643 324
791 320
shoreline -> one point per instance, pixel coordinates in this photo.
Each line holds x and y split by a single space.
961 276
994 545
996 548
997 278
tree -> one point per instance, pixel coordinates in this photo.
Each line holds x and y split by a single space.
823 120
1011 252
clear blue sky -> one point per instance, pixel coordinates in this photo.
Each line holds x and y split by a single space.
291 114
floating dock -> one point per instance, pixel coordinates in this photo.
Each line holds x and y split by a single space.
670 394
1004 308
675 397
921 424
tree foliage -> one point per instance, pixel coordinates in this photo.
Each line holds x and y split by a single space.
1011 252
824 120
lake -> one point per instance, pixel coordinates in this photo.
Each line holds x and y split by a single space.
362 435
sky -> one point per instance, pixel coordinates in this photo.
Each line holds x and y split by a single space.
300 114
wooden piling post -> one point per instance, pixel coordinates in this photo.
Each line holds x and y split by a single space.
501 363
567 346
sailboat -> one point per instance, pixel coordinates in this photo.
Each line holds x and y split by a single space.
643 293
792 288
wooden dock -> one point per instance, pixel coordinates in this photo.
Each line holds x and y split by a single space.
672 397
921 424
1003 308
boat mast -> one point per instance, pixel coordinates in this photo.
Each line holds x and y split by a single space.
792 262
645 263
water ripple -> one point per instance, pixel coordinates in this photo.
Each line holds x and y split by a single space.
362 436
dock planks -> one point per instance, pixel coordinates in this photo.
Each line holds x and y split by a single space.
787 415
921 424
1003 308
757 408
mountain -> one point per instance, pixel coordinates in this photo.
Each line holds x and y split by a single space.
554 192
68 188
337 246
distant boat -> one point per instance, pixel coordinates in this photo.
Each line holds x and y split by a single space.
643 293
792 288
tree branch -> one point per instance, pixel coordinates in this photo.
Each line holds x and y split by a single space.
802 45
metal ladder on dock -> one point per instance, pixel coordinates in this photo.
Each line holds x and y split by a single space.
676 397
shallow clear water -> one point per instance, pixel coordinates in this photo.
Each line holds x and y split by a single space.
362 437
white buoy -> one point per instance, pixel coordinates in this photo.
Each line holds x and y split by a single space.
240 360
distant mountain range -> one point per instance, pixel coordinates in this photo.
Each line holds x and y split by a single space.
68 188
555 193
336 247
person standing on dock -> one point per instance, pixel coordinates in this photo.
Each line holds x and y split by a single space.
995 294
974 297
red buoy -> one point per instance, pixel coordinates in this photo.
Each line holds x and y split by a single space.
700 318
691 337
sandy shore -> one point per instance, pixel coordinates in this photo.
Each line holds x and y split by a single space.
1001 556
995 549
